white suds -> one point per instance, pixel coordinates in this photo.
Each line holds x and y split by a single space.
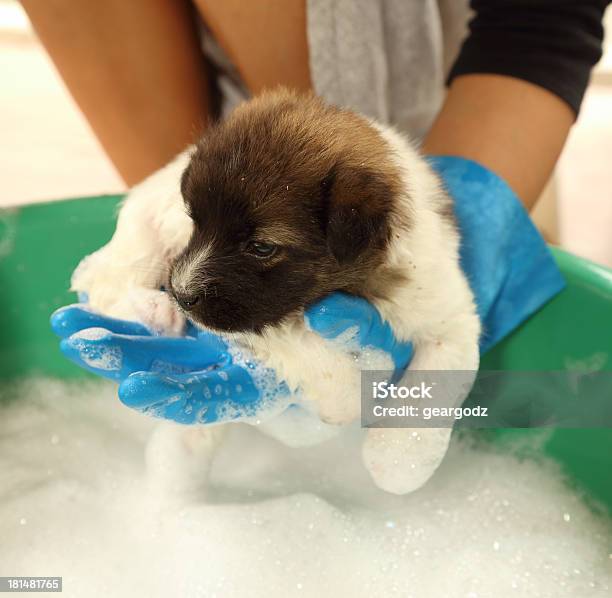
278 521
274 397
91 334
103 357
366 358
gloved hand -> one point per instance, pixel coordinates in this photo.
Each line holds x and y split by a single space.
192 379
339 312
509 267
198 378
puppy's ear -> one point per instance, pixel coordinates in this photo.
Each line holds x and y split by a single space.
186 188
357 205
185 180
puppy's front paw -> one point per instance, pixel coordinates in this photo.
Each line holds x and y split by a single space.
401 460
155 309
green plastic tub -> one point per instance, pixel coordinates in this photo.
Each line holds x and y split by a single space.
40 245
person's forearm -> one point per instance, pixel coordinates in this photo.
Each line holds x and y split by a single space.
510 126
135 69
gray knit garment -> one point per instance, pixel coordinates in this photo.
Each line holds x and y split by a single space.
386 59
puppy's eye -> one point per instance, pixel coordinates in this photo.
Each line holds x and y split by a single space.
260 250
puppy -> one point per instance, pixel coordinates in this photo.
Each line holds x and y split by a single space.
286 201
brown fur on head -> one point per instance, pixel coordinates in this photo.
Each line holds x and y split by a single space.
291 199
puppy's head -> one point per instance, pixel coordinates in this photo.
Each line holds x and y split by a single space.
291 199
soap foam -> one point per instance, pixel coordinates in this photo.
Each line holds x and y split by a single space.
100 357
274 395
279 521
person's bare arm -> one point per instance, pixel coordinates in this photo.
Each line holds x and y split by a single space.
514 128
136 71
266 41
517 85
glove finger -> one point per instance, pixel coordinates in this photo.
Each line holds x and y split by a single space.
170 354
228 385
167 398
116 356
198 397
354 317
68 320
144 390
102 360
337 313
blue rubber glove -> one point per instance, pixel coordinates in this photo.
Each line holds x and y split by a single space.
198 378
509 267
191 379
339 312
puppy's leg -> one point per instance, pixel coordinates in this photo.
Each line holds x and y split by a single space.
152 228
401 460
178 460
326 374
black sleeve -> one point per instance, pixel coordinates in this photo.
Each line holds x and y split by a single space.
552 43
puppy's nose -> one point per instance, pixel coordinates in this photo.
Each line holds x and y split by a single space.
187 302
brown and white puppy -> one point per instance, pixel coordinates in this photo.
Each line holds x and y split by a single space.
286 201
290 200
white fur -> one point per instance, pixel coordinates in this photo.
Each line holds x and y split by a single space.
152 228
434 309
184 275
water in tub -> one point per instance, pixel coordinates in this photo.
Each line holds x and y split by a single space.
278 521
